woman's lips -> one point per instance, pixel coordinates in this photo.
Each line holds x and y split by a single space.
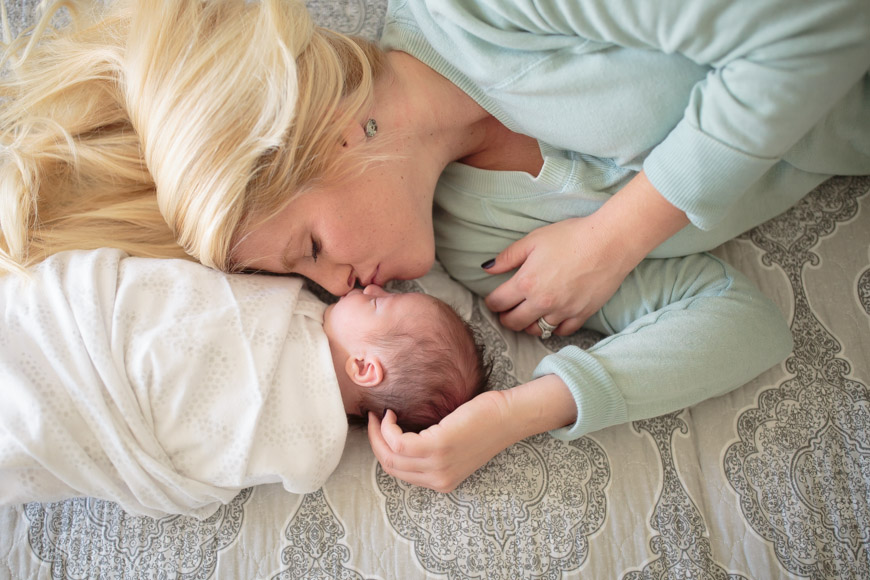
373 279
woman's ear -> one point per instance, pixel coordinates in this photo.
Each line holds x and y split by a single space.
365 371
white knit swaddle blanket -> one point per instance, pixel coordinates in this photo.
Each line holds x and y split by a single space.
161 384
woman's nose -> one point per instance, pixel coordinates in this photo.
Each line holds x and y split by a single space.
374 290
338 281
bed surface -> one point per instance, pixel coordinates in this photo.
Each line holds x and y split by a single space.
769 481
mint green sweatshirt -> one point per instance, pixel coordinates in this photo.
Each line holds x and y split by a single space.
735 110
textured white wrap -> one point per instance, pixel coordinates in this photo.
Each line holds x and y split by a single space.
161 384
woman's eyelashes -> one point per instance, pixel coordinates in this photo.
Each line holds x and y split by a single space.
315 249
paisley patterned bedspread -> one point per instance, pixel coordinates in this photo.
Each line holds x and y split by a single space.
769 481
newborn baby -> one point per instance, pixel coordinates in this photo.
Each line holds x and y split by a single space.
168 387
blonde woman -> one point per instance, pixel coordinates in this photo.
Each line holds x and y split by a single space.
559 145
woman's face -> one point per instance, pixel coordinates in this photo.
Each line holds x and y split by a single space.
369 231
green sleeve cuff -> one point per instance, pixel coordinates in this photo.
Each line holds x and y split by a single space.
701 175
599 402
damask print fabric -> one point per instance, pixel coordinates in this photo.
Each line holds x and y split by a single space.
769 481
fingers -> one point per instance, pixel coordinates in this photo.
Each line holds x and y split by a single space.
517 312
519 309
525 317
569 325
565 328
525 314
535 330
505 298
521 305
391 432
389 443
511 257
387 439
395 449
513 292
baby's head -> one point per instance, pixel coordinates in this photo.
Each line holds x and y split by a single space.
410 353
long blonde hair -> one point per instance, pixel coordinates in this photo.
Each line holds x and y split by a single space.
164 128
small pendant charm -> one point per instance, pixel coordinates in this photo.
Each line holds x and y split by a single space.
371 128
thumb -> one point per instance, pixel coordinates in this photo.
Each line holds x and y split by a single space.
509 259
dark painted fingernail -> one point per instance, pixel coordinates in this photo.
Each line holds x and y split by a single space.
488 264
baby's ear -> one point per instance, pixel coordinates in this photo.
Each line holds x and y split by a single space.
365 371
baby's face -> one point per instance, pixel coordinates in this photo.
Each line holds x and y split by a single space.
362 313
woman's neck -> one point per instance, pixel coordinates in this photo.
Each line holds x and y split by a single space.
449 124
432 110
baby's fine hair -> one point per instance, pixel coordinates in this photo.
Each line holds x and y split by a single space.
432 370
168 128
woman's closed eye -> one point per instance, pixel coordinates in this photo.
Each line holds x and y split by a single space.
315 249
